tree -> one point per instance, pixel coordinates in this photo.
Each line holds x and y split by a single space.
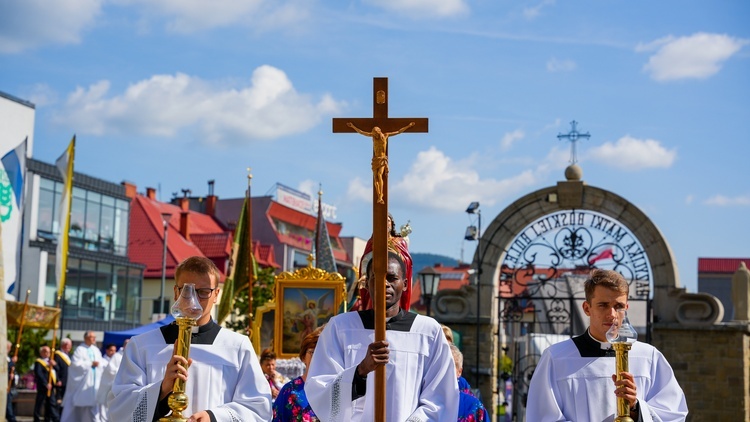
263 291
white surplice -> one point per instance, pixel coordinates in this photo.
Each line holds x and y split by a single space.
420 375
225 378
568 387
79 403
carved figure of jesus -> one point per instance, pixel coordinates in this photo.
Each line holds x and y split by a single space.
379 155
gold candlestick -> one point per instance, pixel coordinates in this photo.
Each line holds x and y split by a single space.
622 335
621 365
186 310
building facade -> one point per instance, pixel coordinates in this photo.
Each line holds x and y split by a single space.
103 286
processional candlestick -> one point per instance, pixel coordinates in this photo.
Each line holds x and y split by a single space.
380 127
622 336
186 310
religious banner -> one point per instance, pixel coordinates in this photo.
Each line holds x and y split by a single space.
36 316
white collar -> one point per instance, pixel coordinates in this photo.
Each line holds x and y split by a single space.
602 345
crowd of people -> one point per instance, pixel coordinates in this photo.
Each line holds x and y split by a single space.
224 379
65 384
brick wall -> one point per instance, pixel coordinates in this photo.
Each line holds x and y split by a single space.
712 365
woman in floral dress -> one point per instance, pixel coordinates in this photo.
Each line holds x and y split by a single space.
291 403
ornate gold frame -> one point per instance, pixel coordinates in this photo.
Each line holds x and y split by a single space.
325 293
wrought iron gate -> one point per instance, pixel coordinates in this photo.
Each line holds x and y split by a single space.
541 290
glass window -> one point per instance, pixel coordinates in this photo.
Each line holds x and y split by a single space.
71 283
121 231
107 229
103 290
91 232
87 289
46 211
77 219
134 294
50 286
97 222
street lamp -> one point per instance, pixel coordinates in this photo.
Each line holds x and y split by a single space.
429 279
475 233
165 217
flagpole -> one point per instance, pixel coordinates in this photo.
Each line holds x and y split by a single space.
18 338
62 258
250 261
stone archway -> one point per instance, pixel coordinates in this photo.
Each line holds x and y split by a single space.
671 303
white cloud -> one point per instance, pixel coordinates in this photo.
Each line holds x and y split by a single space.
557 65
31 23
725 201
168 105
533 12
424 8
187 16
697 56
436 181
359 190
629 153
689 199
42 95
510 138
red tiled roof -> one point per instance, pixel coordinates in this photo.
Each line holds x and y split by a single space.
264 255
213 245
146 236
720 265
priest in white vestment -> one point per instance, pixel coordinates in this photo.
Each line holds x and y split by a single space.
420 375
84 376
223 379
574 380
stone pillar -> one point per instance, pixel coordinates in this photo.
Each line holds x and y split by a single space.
741 293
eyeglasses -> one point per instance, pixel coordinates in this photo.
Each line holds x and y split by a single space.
202 293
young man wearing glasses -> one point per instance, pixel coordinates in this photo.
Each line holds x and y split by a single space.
223 378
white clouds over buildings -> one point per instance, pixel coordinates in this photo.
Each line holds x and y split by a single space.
629 153
697 56
167 105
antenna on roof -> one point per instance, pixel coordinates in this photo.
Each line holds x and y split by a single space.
186 192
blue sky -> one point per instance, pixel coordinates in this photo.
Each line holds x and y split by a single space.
171 94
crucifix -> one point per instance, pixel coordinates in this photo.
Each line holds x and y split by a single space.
379 127
573 137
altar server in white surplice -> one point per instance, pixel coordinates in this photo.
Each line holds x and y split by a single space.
84 377
420 375
574 380
224 381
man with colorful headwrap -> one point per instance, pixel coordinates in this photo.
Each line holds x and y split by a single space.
399 243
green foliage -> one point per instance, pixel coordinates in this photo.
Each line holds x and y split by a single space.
263 290
31 341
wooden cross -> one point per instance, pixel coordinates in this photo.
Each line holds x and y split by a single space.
380 127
